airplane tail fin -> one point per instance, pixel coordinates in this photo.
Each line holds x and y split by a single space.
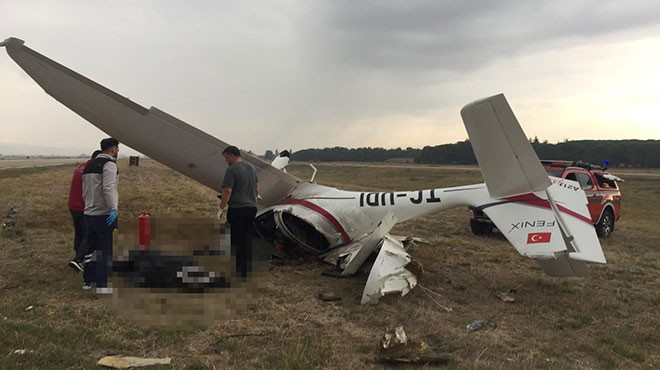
508 162
543 219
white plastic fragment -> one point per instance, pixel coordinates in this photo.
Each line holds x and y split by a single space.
125 362
388 274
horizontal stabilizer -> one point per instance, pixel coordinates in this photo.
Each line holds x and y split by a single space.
553 227
506 158
529 224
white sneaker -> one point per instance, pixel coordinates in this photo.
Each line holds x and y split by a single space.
87 286
104 290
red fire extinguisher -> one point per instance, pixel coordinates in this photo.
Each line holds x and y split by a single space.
144 222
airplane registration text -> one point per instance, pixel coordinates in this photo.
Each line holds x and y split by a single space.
392 198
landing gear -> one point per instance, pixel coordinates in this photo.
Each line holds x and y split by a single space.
481 228
480 224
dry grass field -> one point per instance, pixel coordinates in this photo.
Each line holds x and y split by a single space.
607 320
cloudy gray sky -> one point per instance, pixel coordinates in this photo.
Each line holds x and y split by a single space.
298 74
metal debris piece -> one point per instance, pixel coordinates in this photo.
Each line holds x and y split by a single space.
12 212
10 218
409 241
508 297
29 308
394 338
389 274
350 257
396 348
476 325
329 296
125 362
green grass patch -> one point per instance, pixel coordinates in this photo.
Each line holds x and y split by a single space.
305 353
624 350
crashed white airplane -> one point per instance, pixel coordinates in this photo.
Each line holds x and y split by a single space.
345 227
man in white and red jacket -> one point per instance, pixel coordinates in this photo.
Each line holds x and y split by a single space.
77 207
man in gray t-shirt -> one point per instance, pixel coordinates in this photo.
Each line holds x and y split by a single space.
238 206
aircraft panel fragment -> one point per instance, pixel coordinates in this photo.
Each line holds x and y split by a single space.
353 255
389 273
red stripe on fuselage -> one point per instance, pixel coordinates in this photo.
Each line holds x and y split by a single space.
322 212
534 200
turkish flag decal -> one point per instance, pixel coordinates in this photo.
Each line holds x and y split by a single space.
533 238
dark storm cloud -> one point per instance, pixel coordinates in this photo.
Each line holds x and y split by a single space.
458 36
290 69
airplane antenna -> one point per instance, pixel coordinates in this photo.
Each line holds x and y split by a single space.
314 174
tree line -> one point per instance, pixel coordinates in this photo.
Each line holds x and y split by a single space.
616 153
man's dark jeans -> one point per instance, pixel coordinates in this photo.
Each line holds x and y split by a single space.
99 236
241 222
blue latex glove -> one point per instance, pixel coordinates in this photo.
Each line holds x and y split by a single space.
112 217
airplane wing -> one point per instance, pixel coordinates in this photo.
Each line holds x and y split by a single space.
507 161
153 132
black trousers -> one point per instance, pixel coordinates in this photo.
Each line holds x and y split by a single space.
241 222
80 236
100 264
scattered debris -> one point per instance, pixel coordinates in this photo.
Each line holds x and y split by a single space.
125 362
12 212
350 257
410 241
508 297
394 339
29 308
329 297
476 325
429 292
10 218
20 351
389 273
395 348
415 267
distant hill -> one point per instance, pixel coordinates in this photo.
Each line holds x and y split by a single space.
628 153
38 150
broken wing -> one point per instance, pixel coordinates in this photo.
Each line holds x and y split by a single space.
153 132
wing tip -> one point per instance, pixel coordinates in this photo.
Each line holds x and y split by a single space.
11 41
480 101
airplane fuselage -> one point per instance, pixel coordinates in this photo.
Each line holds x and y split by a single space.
320 218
